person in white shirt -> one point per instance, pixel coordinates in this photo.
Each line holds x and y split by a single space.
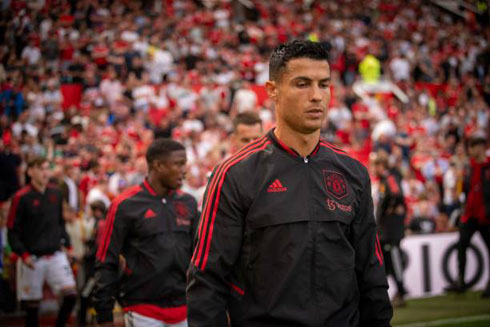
245 99
400 68
31 54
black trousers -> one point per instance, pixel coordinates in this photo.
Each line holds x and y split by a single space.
393 263
466 232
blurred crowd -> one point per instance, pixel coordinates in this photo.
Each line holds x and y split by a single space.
89 84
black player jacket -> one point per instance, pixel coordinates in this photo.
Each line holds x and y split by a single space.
296 237
154 235
35 222
391 209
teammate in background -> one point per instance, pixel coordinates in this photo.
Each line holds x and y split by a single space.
36 233
152 226
247 127
476 216
390 213
288 220
99 211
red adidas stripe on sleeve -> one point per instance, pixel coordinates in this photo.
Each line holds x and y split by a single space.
209 191
109 224
201 253
15 204
379 252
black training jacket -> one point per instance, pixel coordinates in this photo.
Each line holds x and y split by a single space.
296 236
391 210
154 235
35 222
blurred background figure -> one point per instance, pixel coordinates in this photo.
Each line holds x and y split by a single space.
476 215
96 221
390 217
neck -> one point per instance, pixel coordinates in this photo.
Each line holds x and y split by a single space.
40 187
304 144
160 189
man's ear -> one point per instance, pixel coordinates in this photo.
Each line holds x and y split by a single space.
271 89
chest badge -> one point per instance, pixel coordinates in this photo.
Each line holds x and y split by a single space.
335 184
183 214
53 198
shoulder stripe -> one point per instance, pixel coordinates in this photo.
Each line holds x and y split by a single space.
109 224
210 193
378 250
334 149
218 194
212 201
15 203
212 182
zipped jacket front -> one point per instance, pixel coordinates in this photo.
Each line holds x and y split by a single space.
294 237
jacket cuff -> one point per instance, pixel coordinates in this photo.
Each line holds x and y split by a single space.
25 255
104 316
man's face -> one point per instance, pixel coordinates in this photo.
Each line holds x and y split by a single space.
302 94
476 150
40 174
379 169
245 134
172 170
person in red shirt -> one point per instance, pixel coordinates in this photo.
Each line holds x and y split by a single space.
477 212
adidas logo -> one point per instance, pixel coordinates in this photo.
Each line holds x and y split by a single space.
150 213
276 186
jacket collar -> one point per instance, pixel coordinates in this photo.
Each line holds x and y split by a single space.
287 149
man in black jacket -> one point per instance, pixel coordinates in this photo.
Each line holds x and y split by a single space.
287 221
37 234
151 225
390 213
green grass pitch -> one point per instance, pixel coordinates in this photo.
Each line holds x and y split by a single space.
461 310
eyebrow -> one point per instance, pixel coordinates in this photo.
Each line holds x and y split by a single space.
327 79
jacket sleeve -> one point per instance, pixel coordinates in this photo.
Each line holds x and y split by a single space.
107 262
374 306
219 238
14 225
65 238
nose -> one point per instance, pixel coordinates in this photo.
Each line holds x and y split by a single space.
316 94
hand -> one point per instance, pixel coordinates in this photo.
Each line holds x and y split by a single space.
29 262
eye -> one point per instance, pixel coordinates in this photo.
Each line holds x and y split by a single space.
324 85
301 84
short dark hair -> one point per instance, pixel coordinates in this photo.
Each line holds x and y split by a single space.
36 161
248 118
161 148
477 140
98 205
293 50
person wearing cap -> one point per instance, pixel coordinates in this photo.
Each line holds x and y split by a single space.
476 216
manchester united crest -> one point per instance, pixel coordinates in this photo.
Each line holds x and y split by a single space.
335 184
183 214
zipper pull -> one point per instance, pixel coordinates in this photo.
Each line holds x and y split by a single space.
305 159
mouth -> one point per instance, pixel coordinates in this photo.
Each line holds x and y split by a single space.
315 112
